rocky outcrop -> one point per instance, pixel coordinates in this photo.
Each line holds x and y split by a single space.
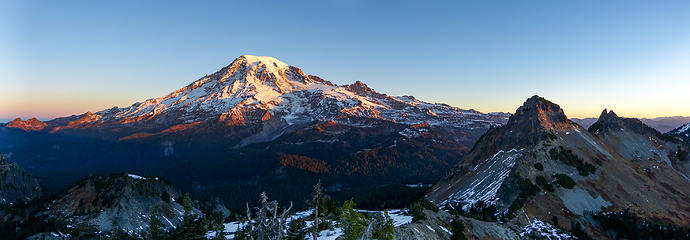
661 124
610 122
97 204
681 133
541 166
16 185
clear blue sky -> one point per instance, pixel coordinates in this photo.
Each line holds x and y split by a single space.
67 57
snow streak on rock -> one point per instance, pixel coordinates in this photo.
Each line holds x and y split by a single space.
487 180
542 230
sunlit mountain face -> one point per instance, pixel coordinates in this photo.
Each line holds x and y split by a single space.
257 122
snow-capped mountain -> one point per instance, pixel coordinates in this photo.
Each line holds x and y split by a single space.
256 90
257 121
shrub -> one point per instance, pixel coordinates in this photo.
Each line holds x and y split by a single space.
417 212
578 231
682 155
527 189
564 181
165 196
457 230
539 166
550 135
568 158
585 169
296 229
428 205
628 225
384 228
481 211
541 181
554 220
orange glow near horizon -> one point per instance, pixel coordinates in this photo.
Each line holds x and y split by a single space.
54 106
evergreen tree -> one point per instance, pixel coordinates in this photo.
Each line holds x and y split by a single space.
220 232
384 228
120 233
243 233
193 226
296 230
457 230
352 222
156 230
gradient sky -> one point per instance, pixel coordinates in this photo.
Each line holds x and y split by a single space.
59 58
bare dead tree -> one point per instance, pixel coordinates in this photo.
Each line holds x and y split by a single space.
316 203
268 223
281 221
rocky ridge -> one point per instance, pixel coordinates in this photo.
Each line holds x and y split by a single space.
17 185
98 204
541 165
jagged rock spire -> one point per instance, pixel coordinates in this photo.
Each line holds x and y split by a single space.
538 111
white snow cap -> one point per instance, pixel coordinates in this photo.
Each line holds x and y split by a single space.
269 61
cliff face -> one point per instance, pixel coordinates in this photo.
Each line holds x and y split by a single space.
100 203
16 185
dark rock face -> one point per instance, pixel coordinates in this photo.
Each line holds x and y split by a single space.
97 203
532 122
681 133
538 111
536 120
661 124
545 165
610 122
16 185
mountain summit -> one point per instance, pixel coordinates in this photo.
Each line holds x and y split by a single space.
541 166
539 111
265 93
258 121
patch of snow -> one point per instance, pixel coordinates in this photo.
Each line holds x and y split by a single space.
166 219
418 185
330 234
445 230
544 230
399 217
136 176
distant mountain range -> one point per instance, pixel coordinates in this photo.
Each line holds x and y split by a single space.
257 121
661 124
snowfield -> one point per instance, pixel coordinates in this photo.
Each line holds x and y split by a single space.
399 217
